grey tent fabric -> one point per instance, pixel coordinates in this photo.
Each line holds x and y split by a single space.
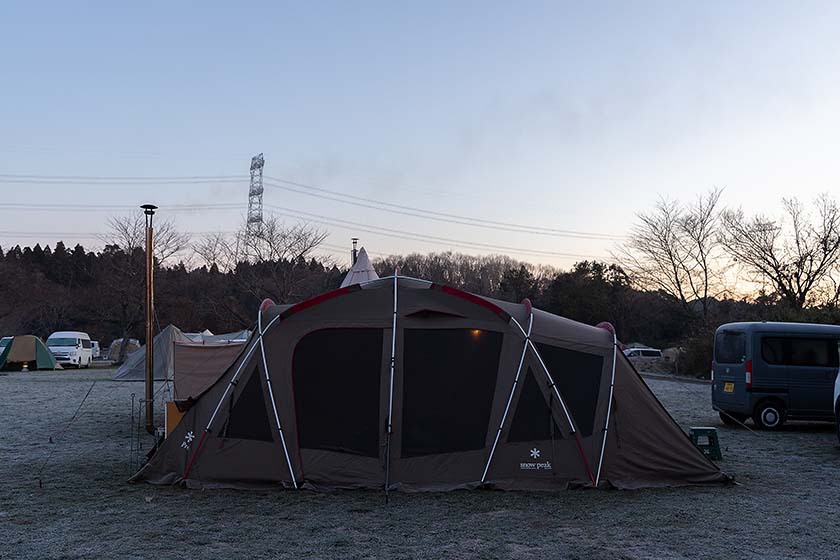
474 402
113 353
236 336
134 367
361 271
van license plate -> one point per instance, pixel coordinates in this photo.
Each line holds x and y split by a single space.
728 387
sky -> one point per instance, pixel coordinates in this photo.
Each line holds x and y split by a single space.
558 116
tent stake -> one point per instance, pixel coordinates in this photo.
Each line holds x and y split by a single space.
391 392
609 409
510 397
273 404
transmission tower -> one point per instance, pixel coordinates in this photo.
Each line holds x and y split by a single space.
255 197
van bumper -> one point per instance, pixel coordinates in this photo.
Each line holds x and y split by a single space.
73 360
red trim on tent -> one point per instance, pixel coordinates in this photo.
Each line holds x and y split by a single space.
585 460
473 299
312 302
297 308
194 455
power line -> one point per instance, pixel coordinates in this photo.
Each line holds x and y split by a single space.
60 179
377 230
402 234
71 207
431 214
317 192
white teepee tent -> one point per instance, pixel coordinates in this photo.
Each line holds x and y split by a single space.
360 272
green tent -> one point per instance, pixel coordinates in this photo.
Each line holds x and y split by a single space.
26 350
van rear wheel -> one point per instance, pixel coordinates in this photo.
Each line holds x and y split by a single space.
769 415
732 419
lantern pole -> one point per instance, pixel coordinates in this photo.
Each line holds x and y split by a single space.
149 211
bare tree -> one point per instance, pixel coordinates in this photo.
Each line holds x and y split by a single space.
795 255
123 278
129 233
271 262
274 241
215 249
676 249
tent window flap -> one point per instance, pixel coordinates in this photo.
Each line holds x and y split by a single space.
532 420
248 416
578 378
449 378
336 375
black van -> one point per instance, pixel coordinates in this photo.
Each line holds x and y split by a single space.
774 371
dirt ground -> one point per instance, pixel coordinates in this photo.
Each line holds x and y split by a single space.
785 505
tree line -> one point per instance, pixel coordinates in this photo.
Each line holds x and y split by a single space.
684 269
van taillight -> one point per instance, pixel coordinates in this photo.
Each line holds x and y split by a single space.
713 371
748 374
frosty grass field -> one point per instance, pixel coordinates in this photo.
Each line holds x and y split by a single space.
784 506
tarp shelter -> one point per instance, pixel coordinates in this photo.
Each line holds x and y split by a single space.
361 271
134 367
197 365
408 385
29 350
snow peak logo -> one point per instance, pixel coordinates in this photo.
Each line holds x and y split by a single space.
535 465
188 439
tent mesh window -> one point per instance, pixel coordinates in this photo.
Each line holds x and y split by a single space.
578 378
248 416
449 377
337 374
533 419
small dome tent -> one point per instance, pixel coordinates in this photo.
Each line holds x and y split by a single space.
408 385
26 350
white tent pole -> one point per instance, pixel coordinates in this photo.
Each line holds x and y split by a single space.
547 373
230 385
391 391
510 397
553 386
273 404
236 374
572 425
609 410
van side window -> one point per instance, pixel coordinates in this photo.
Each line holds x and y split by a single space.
651 353
809 352
773 350
730 347
85 343
821 352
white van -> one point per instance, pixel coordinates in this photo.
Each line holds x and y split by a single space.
643 352
71 348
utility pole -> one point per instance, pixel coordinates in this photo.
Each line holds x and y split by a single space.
149 211
354 254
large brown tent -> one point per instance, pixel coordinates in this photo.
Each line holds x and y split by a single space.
407 385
